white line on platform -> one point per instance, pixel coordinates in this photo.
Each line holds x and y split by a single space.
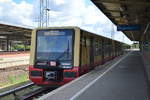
90 84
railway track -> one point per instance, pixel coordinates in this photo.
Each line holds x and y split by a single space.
20 67
37 93
29 95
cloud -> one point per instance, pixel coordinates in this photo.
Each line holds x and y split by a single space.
59 2
78 9
16 13
80 13
122 37
86 16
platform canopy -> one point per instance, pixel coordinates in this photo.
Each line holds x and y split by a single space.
127 12
14 32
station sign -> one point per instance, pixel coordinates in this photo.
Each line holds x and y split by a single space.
123 27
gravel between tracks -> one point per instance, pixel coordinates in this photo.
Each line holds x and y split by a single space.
7 77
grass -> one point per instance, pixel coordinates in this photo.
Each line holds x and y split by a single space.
14 80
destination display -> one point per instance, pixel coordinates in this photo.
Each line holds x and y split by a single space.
128 27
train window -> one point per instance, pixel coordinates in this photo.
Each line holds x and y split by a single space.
87 41
106 47
55 44
83 40
96 46
100 47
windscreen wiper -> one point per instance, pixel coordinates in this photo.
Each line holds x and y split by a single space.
65 51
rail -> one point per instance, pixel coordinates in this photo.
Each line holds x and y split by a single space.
36 93
13 91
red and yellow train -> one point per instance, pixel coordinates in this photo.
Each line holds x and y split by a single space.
61 54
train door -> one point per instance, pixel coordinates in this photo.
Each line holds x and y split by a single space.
91 53
84 54
102 51
109 49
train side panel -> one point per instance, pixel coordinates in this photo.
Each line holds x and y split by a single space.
32 50
91 51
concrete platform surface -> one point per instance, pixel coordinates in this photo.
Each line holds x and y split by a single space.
123 79
17 59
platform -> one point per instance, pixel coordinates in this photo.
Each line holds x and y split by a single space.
123 79
13 59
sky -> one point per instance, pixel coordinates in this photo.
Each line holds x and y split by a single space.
81 13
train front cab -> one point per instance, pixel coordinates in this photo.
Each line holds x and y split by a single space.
55 71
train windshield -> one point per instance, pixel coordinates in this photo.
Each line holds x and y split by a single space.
54 44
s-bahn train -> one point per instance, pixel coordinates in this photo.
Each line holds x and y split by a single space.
61 54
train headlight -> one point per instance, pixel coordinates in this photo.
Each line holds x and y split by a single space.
36 73
66 65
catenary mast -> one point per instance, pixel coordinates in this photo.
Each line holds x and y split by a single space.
44 13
